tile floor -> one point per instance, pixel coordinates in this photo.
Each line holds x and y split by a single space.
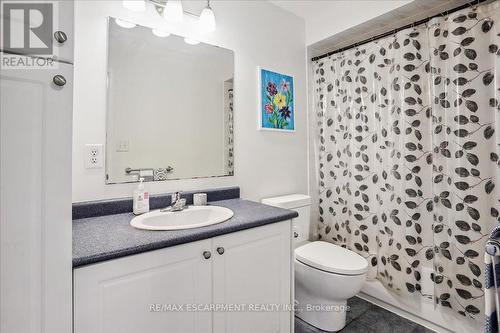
365 317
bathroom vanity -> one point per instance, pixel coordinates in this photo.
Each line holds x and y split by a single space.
226 277
233 276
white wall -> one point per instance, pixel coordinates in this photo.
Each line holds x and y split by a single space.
324 19
261 34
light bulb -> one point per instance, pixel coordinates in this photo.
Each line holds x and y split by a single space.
124 24
161 33
206 22
173 11
191 41
135 5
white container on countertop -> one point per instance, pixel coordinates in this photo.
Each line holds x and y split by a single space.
200 199
141 199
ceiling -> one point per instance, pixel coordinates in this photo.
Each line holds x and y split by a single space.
311 9
333 24
324 18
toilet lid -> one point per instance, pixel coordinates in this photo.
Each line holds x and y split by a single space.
331 258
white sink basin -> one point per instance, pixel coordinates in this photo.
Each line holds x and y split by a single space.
191 217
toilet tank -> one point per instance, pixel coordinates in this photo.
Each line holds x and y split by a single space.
301 204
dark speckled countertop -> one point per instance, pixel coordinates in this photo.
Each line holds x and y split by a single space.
108 237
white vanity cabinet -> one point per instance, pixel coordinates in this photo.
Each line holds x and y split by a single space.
255 270
121 295
158 291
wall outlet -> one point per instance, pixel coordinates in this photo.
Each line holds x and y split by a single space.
94 157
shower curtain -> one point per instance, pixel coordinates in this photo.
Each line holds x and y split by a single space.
228 127
407 152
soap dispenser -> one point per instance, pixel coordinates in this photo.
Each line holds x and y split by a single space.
141 199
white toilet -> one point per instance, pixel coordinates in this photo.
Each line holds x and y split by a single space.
326 275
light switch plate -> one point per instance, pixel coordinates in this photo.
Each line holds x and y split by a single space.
94 157
122 146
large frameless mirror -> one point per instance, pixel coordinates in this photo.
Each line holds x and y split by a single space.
170 106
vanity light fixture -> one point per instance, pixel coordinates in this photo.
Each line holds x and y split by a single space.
124 24
191 41
206 22
160 32
173 11
135 5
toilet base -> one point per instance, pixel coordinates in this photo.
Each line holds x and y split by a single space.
322 296
325 315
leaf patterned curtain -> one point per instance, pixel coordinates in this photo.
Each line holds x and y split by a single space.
408 154
465 70
229 130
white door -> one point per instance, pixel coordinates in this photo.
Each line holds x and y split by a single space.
146 293
35 201
254 270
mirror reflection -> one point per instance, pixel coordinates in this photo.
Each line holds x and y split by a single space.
170 106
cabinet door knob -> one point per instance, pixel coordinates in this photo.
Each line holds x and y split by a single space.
207 254
220 250
60 36
59 80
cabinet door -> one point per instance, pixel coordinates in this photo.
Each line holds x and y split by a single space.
65 22
35 200
255 269
143 293
62 17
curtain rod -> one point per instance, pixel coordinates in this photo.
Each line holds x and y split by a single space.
388 33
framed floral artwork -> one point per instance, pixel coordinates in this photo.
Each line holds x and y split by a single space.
276 107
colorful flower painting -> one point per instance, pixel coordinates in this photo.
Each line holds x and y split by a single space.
277 105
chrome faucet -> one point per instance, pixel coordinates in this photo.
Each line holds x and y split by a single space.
176 203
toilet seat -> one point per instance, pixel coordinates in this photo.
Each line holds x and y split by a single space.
331 258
